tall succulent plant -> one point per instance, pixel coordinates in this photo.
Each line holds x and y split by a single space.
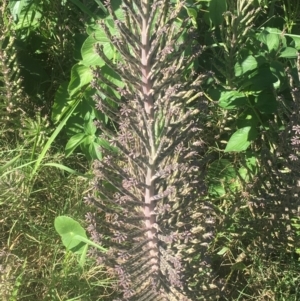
147 187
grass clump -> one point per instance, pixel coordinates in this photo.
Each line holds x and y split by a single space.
34 264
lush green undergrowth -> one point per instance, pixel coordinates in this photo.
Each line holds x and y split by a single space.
34 264
49 141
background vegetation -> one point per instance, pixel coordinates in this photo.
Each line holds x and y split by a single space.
49 141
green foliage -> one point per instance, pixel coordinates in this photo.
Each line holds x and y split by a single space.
216 10
241 139
225 179
74 237
253 69
80 129
88 11
255 78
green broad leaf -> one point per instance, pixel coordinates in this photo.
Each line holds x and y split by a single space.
232 100
101 116
111 23
91 28
273 42
89 110
277 69
16 8
88 52
89 127
289 52
89 55
192 12
249 64
26 14
88 140
94 151
296 41
79 39
74 142
105 144
279 33
89 115
243 172
71 232
241 139
75 124
114 78
80 76
216 10
216 189
223 251
272 38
